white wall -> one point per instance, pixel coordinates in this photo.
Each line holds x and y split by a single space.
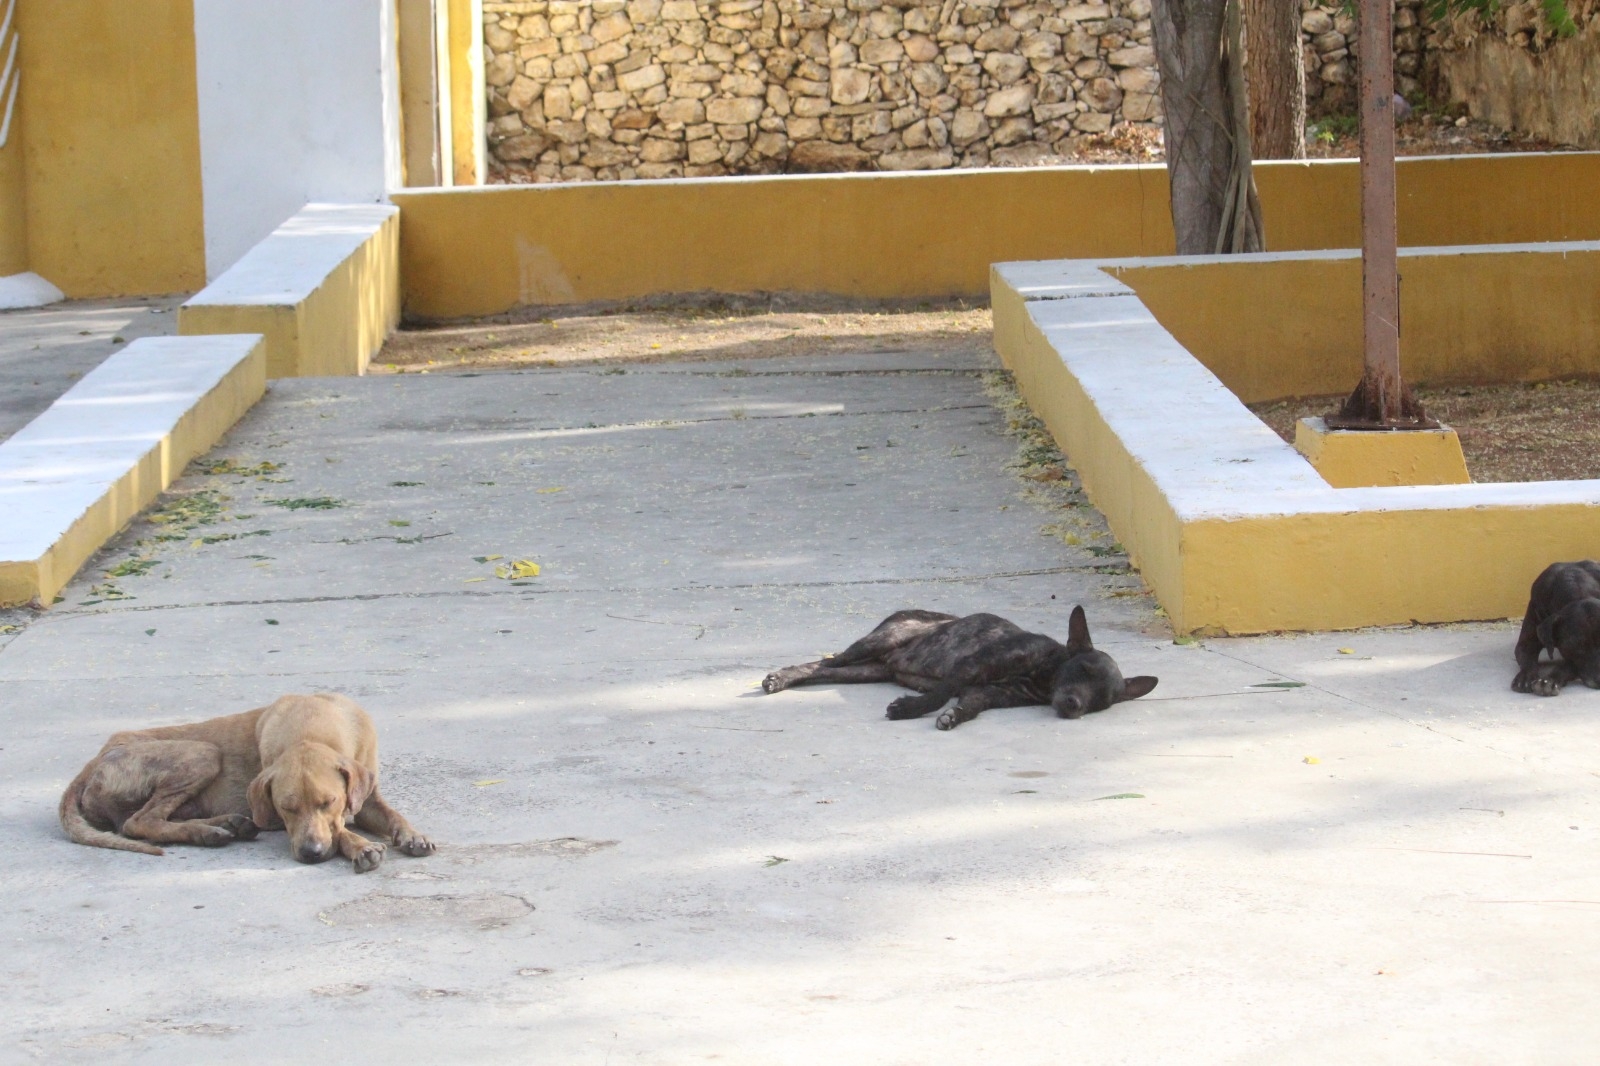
299 101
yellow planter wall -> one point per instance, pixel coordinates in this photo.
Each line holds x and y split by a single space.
1232 529
483 251
1514 313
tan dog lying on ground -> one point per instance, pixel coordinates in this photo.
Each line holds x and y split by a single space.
304 763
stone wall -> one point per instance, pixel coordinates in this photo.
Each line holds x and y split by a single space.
581 90
1328 33
584 89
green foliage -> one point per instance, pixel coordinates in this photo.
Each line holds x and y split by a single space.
1556 12
1333 127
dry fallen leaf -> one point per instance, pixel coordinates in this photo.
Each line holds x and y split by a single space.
486 782
558 488
1312 760
517 569
1347 651
470 580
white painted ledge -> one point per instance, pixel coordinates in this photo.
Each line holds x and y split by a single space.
1208 453
74 476
297 257
323 288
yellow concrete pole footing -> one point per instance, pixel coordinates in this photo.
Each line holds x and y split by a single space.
1351 458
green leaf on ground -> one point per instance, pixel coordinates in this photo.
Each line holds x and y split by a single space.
307 503
774 860
1122 796
1279 684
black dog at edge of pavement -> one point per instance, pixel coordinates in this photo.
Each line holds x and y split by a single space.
1563 616
982 661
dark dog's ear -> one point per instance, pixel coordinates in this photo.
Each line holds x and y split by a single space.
1546 637
1134 687
1078 632
262 812
358 783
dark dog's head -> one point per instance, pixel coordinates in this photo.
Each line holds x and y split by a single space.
1089 680
1574 631
310 790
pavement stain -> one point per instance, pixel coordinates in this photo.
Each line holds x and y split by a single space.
483 911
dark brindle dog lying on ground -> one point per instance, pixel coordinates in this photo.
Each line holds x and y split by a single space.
1563 616
981 661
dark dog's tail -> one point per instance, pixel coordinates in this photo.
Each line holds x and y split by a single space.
80 831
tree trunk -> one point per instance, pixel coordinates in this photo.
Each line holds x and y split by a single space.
1214 204
1275 73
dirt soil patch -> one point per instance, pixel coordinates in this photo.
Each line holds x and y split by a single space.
1545 431
764 327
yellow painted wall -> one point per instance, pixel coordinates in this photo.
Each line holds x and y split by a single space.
1458 199
112 145
13 184
1465 316
13 203
1371 567
475 252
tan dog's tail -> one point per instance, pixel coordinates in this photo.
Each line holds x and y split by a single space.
81 832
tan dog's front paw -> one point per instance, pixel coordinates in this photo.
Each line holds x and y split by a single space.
366 855
370 857
414 844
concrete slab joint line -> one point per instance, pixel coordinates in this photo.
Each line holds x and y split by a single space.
1233 529
323 288
79 472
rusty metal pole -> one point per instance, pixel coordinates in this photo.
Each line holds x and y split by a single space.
1380 289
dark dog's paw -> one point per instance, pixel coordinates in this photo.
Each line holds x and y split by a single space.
1520 682
242 827
369 857
773 683
415 845
947 720
906 707
1592 682
1544 686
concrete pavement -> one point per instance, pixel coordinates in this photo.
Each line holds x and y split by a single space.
1312 849
44 350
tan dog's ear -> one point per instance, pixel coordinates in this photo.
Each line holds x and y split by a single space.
262 812
359 783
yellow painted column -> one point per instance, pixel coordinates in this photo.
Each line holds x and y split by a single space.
13 183
467 99
112 145
419 91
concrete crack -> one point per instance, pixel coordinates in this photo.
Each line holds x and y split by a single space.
363 597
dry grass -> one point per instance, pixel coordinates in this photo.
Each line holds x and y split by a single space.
760 327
